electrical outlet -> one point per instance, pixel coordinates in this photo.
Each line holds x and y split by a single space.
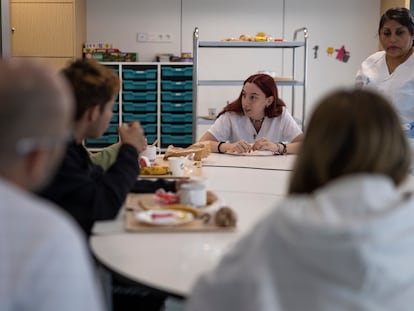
142 37
160 37
168 37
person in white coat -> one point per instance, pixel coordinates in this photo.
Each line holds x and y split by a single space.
44 261
257 120
391 71
344 237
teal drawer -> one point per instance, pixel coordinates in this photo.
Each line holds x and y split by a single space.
151 138
149 128
139 96
112 129
139 107
176 107
177 85
176 128
176 139
142 117
115 118
131 85
104 140
177 71
145 74
177 96
176 118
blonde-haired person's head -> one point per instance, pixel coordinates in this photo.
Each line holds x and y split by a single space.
351 132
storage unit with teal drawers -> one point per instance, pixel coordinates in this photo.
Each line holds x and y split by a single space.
159 95
176 105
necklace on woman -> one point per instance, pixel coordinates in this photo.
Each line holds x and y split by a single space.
256 121
257 124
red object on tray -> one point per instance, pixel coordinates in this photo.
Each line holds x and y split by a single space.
166 197
162 215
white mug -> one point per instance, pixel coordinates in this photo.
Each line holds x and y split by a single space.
193 194
150 153
176 165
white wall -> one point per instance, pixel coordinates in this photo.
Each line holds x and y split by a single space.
352 23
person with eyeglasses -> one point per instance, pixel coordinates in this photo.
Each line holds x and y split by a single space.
257 120
44 261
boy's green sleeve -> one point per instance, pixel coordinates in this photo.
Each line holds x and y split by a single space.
105 157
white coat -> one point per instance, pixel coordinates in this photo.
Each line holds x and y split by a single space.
348 246
233 127
398 86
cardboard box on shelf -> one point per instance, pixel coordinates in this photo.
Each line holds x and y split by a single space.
108 54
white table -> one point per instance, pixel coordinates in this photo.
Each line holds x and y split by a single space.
245 180
171 262
282 163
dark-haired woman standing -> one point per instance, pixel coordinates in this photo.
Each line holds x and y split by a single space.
391 71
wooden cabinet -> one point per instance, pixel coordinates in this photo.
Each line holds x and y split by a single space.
388 4
51 31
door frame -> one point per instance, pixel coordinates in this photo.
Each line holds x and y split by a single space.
5 50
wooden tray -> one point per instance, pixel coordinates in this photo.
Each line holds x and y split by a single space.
161 161
131 224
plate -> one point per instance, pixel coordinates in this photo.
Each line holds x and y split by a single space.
164 217
253 153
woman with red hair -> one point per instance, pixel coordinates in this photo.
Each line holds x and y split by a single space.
256 120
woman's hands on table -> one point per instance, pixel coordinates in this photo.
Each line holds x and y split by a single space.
240 146
265 144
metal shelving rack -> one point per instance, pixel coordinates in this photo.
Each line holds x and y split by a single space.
197 44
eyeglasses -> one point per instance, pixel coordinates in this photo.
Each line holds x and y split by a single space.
27 145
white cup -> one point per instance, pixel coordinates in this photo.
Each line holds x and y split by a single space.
176 165
193 194
150 153
199 180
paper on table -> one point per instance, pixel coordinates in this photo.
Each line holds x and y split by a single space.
252 153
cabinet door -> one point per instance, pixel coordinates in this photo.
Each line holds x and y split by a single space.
42 29
388 4
58 63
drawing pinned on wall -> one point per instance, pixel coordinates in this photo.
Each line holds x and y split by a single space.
330 50
342 54
315 51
